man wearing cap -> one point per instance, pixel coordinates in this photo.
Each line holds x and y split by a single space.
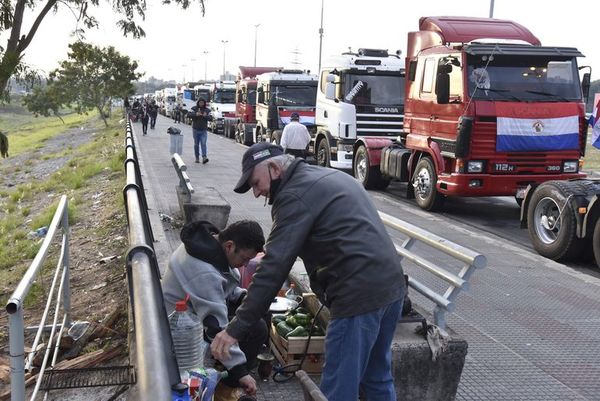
295 137
326 217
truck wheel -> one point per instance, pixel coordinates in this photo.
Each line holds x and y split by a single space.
596 242
323 153
369 176
424 182
552 223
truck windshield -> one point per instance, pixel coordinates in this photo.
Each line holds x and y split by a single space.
374 89
252 96
510 78
203 94
224 96
294 95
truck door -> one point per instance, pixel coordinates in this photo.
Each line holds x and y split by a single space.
445 113
422 97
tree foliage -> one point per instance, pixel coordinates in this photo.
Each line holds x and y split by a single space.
14 12
89 79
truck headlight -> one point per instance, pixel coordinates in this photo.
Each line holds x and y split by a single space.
570 166
475 166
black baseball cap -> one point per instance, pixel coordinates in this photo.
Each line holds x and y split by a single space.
254 155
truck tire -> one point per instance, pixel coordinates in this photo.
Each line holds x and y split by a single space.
596 242
369 176
424 185
552 223
323 153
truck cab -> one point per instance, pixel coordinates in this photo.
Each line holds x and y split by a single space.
222 104
278 95
245 103
489 110
360 95
202 91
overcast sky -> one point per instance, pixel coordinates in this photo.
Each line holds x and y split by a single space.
288 33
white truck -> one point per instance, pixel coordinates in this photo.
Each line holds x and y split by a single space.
361 95
169 98
278 95
222 105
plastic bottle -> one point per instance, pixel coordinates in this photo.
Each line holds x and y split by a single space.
188 341
291 293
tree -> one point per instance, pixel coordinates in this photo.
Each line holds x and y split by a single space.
13 13
89 79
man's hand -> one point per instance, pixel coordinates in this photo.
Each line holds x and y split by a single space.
221 344
249 384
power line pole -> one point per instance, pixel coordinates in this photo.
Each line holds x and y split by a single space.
321 37
491 8
255 41
224 43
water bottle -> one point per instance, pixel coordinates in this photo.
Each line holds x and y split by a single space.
291 293
187 334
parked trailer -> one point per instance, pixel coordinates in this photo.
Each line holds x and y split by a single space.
488 112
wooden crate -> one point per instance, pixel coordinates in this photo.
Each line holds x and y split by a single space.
289 351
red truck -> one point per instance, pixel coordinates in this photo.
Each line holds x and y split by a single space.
488 112
241 128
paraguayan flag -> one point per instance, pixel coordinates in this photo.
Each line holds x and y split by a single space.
537 134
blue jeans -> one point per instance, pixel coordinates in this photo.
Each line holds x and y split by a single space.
358 353
200 139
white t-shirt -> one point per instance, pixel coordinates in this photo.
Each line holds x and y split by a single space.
295 136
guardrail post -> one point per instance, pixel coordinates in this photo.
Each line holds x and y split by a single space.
16 339
67 273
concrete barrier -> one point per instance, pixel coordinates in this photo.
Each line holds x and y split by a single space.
204 204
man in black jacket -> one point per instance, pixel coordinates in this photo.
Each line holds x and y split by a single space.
326 217
200 116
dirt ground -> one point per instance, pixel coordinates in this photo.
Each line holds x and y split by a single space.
97 244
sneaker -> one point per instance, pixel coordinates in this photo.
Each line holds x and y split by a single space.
197 160
204 160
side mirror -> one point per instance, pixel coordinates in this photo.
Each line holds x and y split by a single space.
442 86
330 90
585 85
330 78
260 97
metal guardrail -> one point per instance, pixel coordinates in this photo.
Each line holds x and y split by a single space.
457 282
14 307
185 186
156 366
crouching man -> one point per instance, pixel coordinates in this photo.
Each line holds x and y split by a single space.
204 267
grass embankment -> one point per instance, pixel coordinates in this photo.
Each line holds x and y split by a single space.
28 206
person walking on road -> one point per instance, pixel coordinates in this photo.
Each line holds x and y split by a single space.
204 267
295 137
145 118
200 116
153 113
327 218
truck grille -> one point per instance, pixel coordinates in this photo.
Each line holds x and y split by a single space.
379 124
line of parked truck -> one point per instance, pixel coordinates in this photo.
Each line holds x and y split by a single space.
478 107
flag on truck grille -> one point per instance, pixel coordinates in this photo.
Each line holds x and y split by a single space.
595 140
537 134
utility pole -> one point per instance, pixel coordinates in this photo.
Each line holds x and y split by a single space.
224 43
205 58
255 41
491 8
192 60
321 37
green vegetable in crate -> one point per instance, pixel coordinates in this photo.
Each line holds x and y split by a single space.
298 332
278 318
302 319
317 331
283 329
291 321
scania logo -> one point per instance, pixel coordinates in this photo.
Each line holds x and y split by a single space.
538 127
386 110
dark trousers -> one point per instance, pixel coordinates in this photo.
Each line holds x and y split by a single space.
145 125
250 346
152 121
296 152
